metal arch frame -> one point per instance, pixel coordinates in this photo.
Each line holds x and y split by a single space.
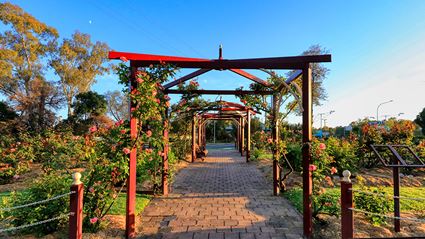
289 63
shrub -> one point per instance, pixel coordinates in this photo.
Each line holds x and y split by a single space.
44 188
294 155
372 203
343 153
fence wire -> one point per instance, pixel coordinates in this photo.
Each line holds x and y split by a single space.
36 223
388 196
38 202
390 217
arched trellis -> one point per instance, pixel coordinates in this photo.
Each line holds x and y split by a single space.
299 63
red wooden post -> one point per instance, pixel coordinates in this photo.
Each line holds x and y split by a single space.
193 138
396 183
347 222
130 220
248 135
242 136
275 138
76 205
306 151
165 157
199 132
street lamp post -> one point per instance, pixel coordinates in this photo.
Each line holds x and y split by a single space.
322 114
377 108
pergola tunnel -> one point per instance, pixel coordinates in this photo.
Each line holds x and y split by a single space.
226 111
239 114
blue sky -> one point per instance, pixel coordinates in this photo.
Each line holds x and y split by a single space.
378 47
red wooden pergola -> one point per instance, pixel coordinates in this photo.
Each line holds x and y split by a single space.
299 63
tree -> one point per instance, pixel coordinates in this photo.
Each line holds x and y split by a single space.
420 120
6 113
24 46
89 105
289 95
77 62
118 105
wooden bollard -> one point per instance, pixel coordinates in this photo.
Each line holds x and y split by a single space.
76 205
347 222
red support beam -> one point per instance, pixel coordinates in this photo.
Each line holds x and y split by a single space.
250 77
306 151
130 231
291 62
186 78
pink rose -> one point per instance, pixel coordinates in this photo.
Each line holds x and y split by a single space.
123 58
126 150
91 189
93 220
312 168
12 150
322 146
139 80
93 129
120 122
149 133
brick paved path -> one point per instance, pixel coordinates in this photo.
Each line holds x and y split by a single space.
222 197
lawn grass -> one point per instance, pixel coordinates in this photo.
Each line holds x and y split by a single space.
118 208
295 197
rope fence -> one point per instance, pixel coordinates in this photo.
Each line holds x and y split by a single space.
347 207
390 217
38 202
36 223
387 196
75 214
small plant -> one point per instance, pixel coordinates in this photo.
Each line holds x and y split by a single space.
46 187
377 204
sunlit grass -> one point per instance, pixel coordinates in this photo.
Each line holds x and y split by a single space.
295 197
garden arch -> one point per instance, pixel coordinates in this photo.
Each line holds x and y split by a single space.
299 63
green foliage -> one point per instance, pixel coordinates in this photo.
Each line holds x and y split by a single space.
372 203
294 155
120 205
26 44
325 203
106 167
344 154
6 113
77 62
16 156
59 150
44 188
88 105
420 120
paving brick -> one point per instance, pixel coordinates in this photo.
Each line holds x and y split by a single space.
222 197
